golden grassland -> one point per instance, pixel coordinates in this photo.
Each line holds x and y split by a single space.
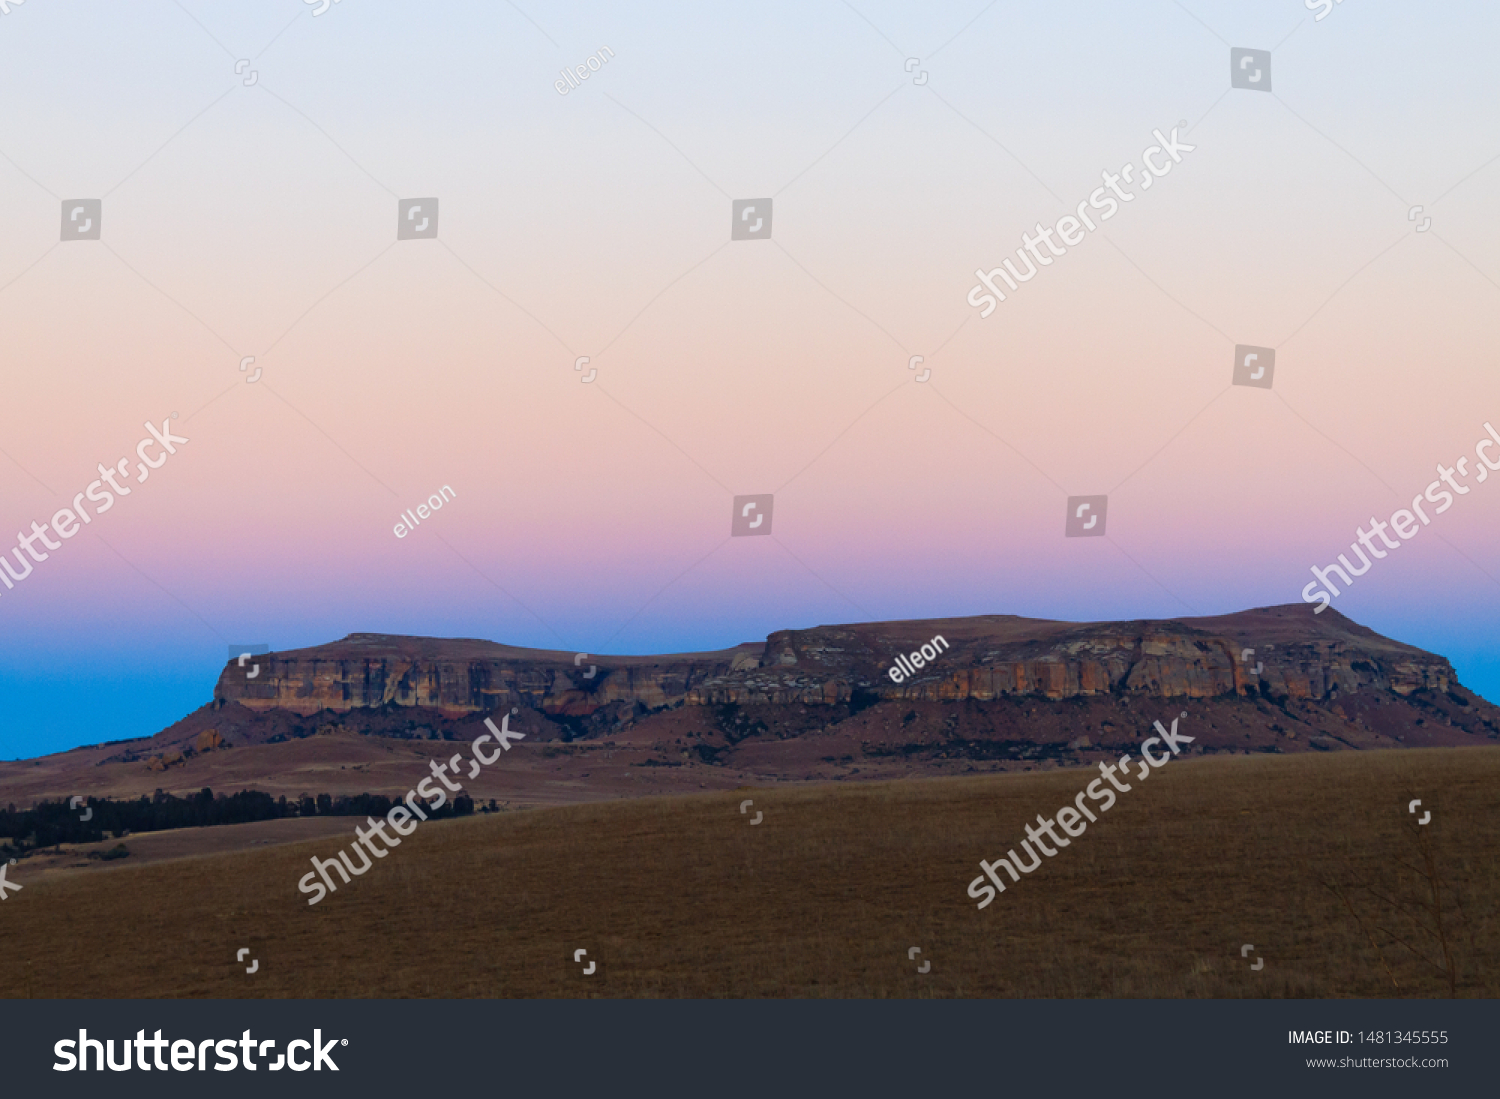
683 897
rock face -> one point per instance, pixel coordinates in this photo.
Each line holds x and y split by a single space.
996 694
208 740
162 762
1275 652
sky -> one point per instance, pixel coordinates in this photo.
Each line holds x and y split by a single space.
252 163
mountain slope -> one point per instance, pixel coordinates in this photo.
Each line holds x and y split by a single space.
998 693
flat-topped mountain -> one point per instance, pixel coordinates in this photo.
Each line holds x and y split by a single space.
874 700
1294 654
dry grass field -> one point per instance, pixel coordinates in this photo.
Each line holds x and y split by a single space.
683 896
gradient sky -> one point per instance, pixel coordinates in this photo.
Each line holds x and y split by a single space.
260 221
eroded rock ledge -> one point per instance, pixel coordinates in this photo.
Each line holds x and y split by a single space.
1296 655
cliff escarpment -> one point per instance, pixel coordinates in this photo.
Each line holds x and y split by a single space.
874 701
1277 652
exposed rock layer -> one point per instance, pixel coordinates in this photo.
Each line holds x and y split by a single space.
1295 655
372 713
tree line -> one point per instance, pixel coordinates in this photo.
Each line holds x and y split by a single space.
49 823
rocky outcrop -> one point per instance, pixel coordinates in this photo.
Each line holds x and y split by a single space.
168 759
208 740
1275 652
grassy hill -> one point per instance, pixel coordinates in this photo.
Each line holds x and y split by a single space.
683 896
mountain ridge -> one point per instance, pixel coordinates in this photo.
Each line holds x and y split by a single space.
988 656
370 712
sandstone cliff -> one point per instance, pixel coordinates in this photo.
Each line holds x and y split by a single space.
369 712
1296 655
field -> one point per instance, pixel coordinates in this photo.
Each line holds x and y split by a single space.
684 896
